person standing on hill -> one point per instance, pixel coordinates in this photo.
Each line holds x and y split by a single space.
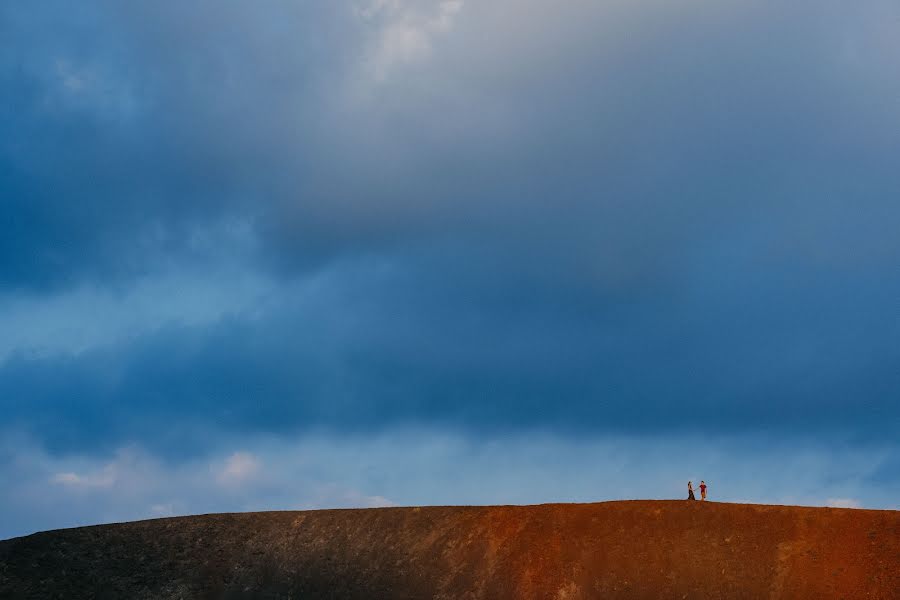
702 490
690 491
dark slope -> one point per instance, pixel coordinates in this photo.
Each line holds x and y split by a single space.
639 549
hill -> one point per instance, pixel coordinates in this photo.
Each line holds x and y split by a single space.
634 549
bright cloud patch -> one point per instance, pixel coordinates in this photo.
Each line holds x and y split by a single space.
238 468
406 30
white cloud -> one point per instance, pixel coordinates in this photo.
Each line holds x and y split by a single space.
376 8
238 468
377 501
71 79
336 495
87 86
163 510
405 33
66 478
104 477
843 503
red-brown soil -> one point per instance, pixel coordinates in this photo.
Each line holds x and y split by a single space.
637 549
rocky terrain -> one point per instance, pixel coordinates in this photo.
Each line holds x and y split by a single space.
634 549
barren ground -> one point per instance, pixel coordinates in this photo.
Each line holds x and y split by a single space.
635 549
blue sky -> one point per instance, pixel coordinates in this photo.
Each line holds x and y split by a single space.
292 254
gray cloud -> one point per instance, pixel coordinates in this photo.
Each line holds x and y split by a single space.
374 345
489 217
563 137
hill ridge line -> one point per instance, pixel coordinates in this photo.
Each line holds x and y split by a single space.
564 551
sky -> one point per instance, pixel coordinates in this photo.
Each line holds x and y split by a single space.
348 253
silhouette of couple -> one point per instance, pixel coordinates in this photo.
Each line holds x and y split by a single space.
702 491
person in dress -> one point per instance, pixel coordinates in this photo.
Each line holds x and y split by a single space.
690 491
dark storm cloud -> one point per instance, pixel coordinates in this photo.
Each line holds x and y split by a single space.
406 347
600 217
129 127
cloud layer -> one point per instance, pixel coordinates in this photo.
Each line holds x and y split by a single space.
494 218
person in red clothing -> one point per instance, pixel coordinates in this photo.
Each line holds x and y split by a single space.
702 490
